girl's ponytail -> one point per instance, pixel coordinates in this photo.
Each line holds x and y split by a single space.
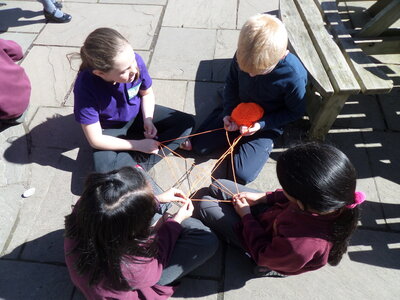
343 228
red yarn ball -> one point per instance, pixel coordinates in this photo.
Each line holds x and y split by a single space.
247 113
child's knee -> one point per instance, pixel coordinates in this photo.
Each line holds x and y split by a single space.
246 175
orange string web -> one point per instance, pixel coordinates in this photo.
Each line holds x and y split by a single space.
245 114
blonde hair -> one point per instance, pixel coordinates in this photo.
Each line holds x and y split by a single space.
100 49
262 43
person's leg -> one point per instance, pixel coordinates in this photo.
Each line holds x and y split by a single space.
170 124
52 12
207 143
196 244
220 217
108 160
251 155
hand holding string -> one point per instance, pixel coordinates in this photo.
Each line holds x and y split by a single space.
171 195
241 206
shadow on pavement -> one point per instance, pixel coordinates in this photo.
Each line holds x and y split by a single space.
10 17
51 143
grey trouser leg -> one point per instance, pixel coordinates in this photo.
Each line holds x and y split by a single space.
220 216
196 244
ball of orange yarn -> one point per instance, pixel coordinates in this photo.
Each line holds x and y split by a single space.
247 113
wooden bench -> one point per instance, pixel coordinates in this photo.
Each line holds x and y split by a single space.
338 68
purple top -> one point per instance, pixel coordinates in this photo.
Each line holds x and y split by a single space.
111 104
15 87
287 239
143 277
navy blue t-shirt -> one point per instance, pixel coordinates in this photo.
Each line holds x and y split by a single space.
281 93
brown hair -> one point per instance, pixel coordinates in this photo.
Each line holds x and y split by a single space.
262 43
100 48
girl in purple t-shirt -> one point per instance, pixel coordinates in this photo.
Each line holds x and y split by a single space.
115 104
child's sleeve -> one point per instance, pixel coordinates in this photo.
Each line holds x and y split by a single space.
279 253
144 73
294 108
12 49
231 91
85 111
167 236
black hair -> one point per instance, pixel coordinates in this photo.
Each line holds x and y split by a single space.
112 220
323 179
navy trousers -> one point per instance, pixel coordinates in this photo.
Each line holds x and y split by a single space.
250 155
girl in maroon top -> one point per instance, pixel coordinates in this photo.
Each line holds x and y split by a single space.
299 228
113 252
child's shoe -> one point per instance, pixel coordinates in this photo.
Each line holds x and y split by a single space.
265 272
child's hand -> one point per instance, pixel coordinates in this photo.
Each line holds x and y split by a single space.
246 131
147 146
229 124
150 131
251 198
241 206
184 212
172 195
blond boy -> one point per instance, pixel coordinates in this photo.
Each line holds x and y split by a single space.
262 71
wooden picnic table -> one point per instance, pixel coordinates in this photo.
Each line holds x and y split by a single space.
338 67
384 13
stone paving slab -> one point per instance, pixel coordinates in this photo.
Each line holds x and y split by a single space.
170 93
391 109
14 148
156 2
10 204
225 48
207 14
382 148
22 16
51 76
25 280
137 23
197 288
170 62
354 146
201 99
362 279
55 127
248 8
362 111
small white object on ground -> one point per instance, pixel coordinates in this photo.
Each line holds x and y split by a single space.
28 192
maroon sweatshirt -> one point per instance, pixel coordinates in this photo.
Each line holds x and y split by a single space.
143 277
15 87
286 239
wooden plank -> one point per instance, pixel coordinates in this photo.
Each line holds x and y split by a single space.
303 47
378 24
377 7
326 116
335 64
381 45
372 80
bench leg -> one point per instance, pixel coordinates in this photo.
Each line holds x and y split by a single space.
322 121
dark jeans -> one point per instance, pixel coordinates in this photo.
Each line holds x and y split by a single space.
170 124
250 154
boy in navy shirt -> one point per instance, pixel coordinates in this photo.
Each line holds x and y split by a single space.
264 72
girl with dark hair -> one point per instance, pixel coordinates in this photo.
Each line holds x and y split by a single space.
299 228
115 104
113 250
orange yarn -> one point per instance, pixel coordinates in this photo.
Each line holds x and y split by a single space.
247 113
